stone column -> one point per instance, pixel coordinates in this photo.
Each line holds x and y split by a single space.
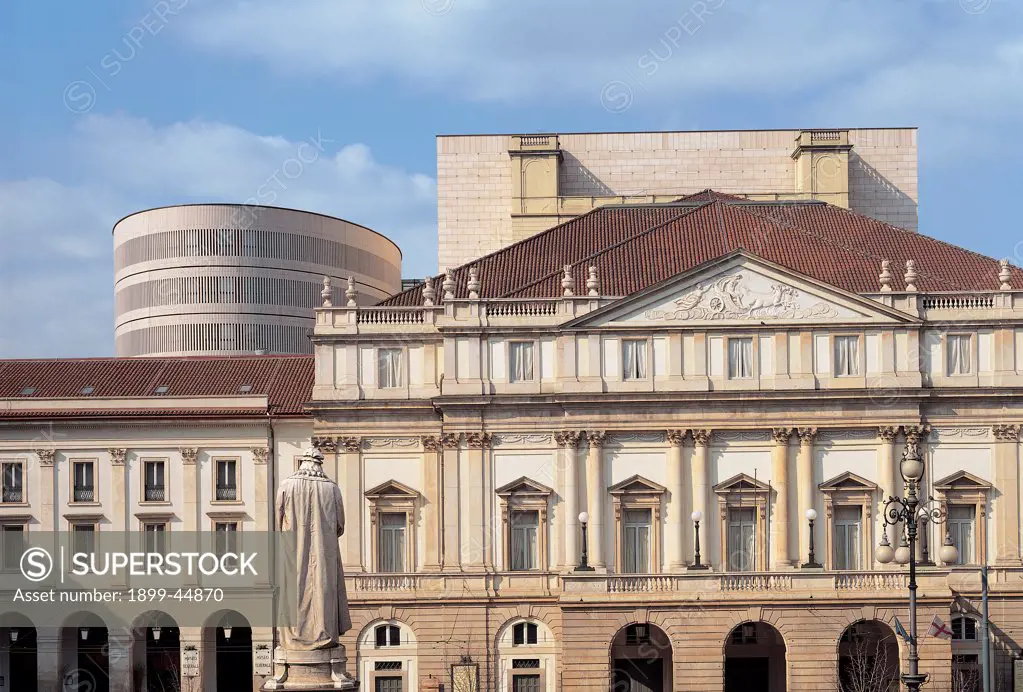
432 498
47 471
350 469
675 506
806 491
451 553
1006 505
190 489
780 555
700 474
889 475
568 445
595 497
474 549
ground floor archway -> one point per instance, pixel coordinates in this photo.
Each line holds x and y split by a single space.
227 653
868 657
641 659
86 652
156 653
19 645
755 659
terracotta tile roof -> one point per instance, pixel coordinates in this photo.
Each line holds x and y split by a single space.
636 247
286 381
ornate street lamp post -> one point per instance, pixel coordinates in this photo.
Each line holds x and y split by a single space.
905 510
811 516
584 560
696 517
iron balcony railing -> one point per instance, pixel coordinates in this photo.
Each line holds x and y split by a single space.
155 493
12 495
227 492
85 493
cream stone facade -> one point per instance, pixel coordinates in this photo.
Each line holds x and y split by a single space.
493 190
632 409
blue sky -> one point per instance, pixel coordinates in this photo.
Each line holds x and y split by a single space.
116 105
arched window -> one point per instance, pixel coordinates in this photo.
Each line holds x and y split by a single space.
388 635
524 633
526 657
388 657
964 628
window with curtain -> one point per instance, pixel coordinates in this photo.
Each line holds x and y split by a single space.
13 487
392 542
634 359
740 358
227 480
959 361
84 488
520 366
155 490
847 356
741 539
636 541
961 524
523 527
847 537
389 368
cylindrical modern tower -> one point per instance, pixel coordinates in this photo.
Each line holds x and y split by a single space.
200 279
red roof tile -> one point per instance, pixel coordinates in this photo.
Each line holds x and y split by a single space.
286 381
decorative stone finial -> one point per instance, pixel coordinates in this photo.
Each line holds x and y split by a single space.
911 275
326 292
429 293
350 292
448 285
592 284
474 283
567 282
1004 275
885 277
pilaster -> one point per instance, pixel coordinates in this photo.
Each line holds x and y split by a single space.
781 557
675 504
476 548
700 474
432 491
47 471
1006 504
349 470
261 508
190 488
595 501
118 501
568 450
806 487
449 500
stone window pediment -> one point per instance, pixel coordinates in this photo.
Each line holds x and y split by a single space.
962 481
849 501
632 495
525 518
740 495
963 489
636 486
848 482
525 489
393 498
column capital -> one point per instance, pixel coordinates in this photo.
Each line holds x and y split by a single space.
701 436
117 455
450 440
260 455
431 443
781 436
677 437
915 432
807 435
568 438
596 437
46 456
350 443
1005 433
325 443
888 433
189 455
478 440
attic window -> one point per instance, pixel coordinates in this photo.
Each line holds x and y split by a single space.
245 388
161 389
88 389
28 391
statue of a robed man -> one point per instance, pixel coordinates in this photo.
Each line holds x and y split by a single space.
311 516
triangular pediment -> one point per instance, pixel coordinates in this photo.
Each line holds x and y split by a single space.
740 288
848 481
392 488
962 480
635 485
742 483
523 486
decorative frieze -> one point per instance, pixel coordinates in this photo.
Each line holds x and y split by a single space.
978 434
378 442
260 455
645 437
848 434
1005 433
117 455
189 455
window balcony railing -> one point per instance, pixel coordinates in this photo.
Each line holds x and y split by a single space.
84 493
155 493
227 492
13 495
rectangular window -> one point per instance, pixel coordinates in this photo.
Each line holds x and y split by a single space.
227 479
636 541
634 359
740 358
83 538
389 373
846 541
155 490
84 489
847 356
225 537
13 482
961 523
523 530
13 537
388 683
741 539
392 541
959 360
155 537
520 361
525 683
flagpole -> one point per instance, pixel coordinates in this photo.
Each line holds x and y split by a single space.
984 632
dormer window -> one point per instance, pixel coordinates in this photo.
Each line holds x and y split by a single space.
87 390
847 356
959 354
389 368
161 389
634 359
28 391
244 388
740 358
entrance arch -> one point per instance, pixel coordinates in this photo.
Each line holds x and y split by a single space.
84 641
641 659
755 659
156 652
868 657
18 641
227 652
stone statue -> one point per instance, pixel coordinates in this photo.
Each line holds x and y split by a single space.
311 656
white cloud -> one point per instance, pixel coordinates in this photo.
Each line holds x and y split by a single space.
56 231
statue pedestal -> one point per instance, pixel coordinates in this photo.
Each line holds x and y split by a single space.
312 671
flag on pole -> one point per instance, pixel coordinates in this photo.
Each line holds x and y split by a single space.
901 631
939 629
